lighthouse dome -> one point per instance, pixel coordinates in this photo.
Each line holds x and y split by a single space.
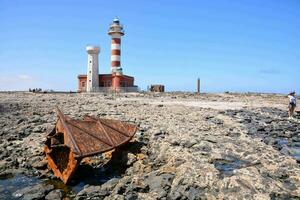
116 27
116 20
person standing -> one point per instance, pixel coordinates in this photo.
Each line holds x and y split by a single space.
292 103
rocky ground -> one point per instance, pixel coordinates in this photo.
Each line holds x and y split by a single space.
212 146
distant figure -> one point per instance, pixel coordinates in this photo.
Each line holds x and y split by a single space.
292 103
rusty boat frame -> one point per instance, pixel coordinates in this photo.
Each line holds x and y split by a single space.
71 140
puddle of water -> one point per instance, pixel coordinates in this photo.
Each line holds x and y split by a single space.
276 123
295 152
85 174
58 184
282 141
13 183
226 166
292 149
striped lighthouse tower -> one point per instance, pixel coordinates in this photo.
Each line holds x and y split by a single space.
116 32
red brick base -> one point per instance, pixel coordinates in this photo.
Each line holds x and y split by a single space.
107 80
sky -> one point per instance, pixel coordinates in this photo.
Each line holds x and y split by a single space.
231 45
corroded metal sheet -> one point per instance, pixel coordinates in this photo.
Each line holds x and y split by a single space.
71 140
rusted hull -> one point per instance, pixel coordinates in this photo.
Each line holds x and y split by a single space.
62 162
72 140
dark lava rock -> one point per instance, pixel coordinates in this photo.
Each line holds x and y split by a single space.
160 183
272 126
39 164
121 186
89 191
178 162
188 143
269 140
252 130
233 134
227 165
20 121
5 175
131 196
216 121
275 196
189 192
109 185
33 192
194 193
54 195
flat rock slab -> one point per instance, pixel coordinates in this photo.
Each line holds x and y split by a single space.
213 146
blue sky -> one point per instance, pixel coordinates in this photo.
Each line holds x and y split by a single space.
232 45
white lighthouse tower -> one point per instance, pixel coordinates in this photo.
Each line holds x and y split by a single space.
92 69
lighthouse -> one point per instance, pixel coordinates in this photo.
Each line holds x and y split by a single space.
92 69
116 32
115 81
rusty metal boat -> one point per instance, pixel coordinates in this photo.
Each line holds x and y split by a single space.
72 140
